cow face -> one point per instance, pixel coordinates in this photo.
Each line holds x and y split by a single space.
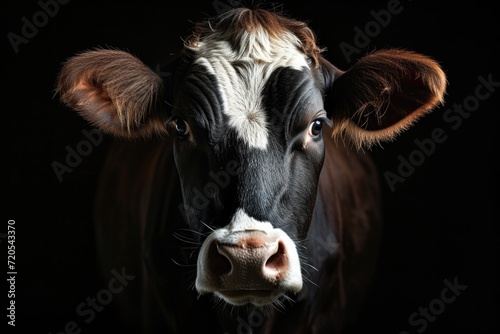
249 150
249 98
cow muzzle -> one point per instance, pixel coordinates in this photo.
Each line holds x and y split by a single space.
254 265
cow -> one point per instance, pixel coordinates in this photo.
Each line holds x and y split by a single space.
239 191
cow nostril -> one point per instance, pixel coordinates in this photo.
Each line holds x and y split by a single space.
278 259
219 263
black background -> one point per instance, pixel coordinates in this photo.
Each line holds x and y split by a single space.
441 222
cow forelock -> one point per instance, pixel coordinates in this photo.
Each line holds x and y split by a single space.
242 71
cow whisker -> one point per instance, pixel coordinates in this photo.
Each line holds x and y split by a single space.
279 305
186 239
183 265
310 266
309 281
194 232
193 252
207 226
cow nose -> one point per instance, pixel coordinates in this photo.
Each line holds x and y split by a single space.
255 265
253 261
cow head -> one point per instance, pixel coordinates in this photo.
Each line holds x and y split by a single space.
247 105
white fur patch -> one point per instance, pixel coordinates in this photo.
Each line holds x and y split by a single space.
242 74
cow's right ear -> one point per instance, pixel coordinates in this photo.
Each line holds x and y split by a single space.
115 92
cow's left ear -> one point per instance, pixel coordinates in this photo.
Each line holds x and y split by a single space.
381 95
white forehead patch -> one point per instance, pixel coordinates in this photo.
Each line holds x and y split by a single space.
242 73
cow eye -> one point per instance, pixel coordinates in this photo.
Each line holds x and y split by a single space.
182 128
315 129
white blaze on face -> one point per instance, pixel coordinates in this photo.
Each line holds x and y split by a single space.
242 74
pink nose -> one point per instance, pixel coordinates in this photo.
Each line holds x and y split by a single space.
253 261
